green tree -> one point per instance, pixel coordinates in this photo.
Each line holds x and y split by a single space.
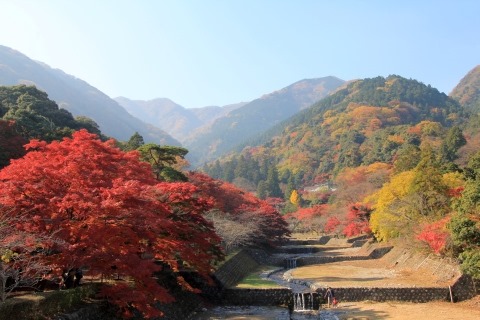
428 188
290 186
407 158
241 168
228 171
273 183
135 142
38 117
465 224
452 142
161 158
262 190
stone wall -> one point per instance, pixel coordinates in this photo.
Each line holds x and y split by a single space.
305 261
389 294
464 288
235 269
374 253
258 297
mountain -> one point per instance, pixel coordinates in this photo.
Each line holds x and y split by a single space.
178 121
257 116
77 96
365 122
467 92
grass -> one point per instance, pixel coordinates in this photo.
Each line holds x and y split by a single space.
44 305
255 280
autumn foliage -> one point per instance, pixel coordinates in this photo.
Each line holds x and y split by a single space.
358 218
266 225
435 234
114 217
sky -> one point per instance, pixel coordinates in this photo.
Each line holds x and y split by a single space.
218 52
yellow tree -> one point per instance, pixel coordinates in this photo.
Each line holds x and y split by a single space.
389 218
295 198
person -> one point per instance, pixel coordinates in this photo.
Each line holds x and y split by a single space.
78 277
330 296
68 278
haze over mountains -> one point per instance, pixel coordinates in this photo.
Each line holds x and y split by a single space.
77 96
178 121
213 131
209 132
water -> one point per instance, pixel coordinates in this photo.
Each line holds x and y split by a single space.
291 263
303 301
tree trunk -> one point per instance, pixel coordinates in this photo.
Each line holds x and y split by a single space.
3 282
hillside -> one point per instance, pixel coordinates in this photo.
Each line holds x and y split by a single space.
175 119
367 121
467 92
77 96
257 116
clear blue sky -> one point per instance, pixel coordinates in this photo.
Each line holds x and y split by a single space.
216 52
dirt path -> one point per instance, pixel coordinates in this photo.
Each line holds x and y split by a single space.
467 310
364 274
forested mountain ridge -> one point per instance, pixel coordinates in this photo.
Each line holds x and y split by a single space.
175 119
388 157
367 121
27 113
467 92
257 116
77 96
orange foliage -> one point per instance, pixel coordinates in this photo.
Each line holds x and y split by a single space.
435 235
397 139
332 225
303 214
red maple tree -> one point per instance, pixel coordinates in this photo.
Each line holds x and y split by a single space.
435 234
271 228
358 217
113 215
332 224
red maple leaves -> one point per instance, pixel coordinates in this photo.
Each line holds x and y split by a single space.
112 213
435 234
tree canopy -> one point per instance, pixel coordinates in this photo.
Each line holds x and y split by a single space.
112 214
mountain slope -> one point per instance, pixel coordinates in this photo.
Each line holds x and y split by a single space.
257 116
76 96
365 122
178 121
467 92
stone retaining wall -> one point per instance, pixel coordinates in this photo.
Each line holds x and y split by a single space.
258 297
390 294
305 261
464 288
235 269
305 250
375 253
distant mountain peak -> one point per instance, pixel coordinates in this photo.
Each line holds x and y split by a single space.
467 92
76 96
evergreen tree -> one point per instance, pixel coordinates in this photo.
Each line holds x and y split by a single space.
452 142
135 142
273 183
241 169
228 171
216 170
290 187
407 158
262 189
